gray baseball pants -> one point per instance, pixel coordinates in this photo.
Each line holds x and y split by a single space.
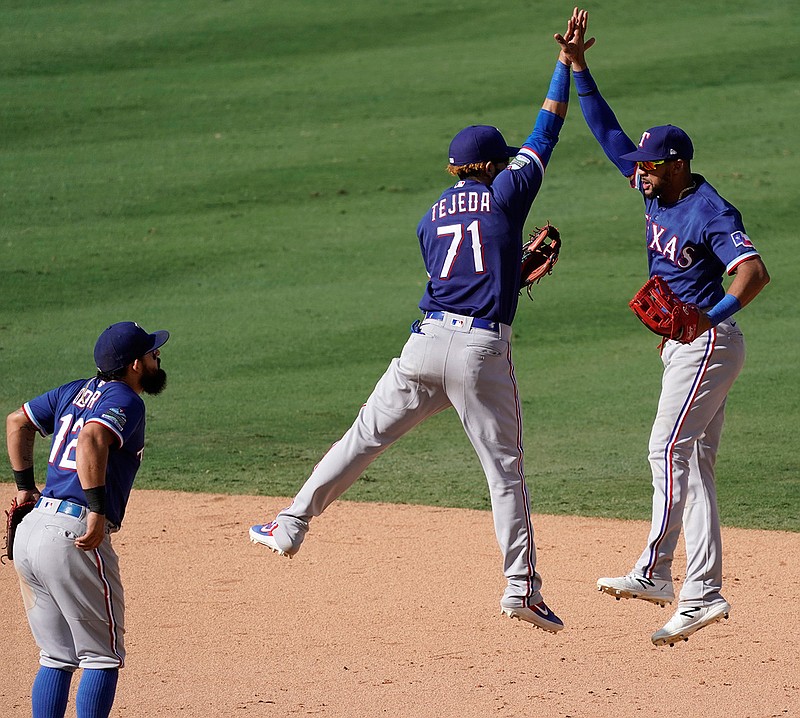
470 369
683 449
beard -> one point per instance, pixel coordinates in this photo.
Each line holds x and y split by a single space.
155 382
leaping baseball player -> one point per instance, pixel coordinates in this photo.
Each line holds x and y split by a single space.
693 237
459 352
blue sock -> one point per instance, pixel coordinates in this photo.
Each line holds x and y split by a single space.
96 692
50 692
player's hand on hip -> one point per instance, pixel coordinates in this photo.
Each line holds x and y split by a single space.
95 532
703 324
25 495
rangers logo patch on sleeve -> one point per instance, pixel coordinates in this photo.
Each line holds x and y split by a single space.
740 239
116 417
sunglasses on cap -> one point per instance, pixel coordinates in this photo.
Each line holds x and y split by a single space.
648 166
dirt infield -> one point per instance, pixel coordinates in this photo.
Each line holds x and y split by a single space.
393 611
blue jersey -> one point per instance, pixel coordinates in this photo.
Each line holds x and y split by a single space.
471 238
694 242
64 411
691 243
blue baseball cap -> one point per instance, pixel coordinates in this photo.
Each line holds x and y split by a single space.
479 143
124 342
663 142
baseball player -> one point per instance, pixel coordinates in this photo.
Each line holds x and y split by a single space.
68 570
692 237
459 352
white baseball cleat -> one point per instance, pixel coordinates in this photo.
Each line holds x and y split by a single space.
634 586
689 619
263 534
538 614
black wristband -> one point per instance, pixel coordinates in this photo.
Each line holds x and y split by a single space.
25 480
97 499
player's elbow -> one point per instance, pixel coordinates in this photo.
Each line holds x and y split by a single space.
16 421
755 273
760 276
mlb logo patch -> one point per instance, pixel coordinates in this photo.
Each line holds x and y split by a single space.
116 417
740 239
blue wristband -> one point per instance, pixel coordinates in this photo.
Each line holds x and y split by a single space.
726 307
559 85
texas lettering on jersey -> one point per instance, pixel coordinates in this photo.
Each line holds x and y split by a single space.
694 242
684 257
669 246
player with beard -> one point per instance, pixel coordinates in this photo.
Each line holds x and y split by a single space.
68 569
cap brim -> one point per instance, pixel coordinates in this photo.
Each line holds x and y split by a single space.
641 156
160 337
513 151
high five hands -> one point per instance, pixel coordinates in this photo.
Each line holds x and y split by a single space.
573 43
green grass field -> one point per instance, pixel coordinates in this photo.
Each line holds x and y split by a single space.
249 176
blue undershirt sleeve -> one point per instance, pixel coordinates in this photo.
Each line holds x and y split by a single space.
603 123
544 137
559 84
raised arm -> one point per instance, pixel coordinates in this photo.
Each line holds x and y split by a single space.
599 116
554 108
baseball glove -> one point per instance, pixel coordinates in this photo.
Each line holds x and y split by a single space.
539 255
14 516
662 312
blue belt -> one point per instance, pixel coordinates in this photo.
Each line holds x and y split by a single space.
477 323
65 507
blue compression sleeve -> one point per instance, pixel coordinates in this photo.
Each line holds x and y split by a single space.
603 123
726 307
545 134
559 85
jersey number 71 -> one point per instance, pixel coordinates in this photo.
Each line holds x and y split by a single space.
456 231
